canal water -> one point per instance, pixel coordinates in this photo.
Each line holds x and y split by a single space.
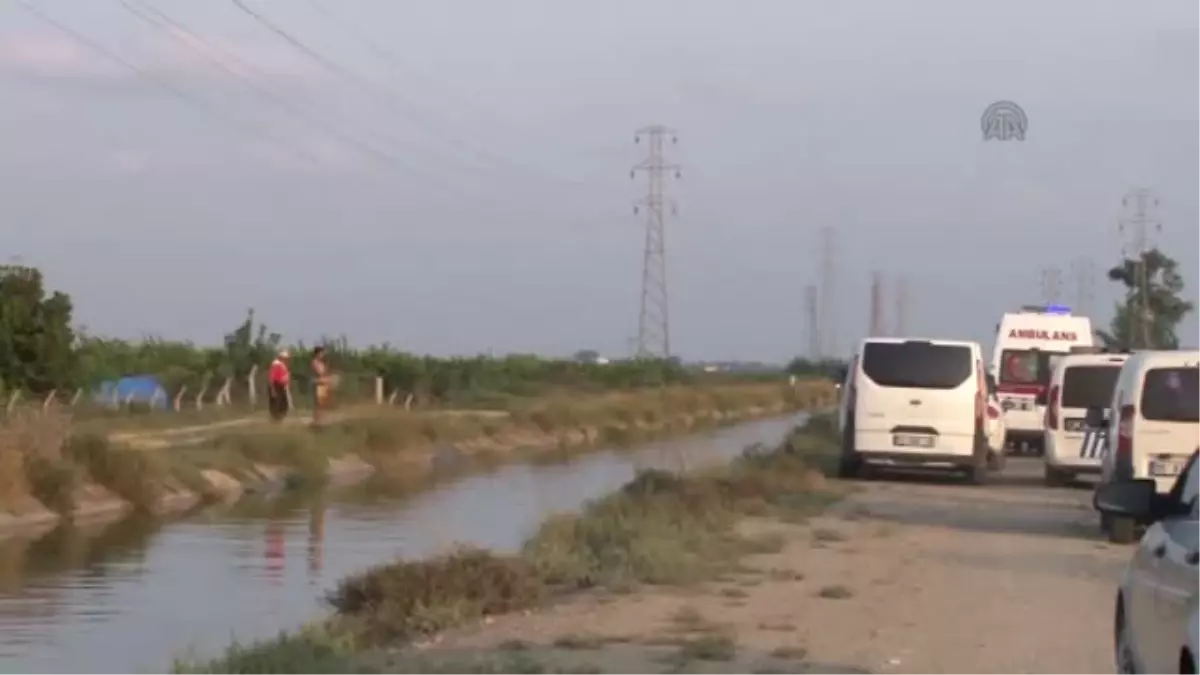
130 596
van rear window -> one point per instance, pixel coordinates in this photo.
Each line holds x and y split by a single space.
1088 386
917 365
1170 395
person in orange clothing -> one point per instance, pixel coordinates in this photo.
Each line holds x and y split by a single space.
278 378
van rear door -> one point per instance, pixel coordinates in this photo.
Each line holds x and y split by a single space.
1083 387
1169 412
918 388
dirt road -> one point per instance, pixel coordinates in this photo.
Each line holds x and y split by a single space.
903 576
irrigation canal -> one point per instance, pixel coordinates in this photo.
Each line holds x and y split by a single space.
130 596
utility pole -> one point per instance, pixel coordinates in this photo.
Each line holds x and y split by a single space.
1051 285
654 333
1137 230
813 319
828 278
1083 270
876 327
901 307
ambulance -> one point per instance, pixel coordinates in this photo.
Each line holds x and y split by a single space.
1028 344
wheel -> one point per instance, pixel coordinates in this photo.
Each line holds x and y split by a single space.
1125 657
849 463
997 459
849 467
980 467
1054 477
978 473
1122 530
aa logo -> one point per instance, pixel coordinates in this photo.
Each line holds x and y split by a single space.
1004 121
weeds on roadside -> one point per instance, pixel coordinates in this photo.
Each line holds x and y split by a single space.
659 528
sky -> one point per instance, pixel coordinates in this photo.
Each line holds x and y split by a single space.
453 177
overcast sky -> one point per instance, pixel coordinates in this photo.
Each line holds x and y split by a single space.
467 187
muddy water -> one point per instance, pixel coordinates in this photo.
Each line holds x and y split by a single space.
130 596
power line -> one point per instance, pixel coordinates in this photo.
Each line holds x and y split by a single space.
398 63
181 94
654 332
181 33
386 99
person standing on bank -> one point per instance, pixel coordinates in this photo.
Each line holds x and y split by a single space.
278 378
320 372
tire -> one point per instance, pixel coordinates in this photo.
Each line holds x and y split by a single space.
1126 661
1054 477
997 460
980 468
1122 530
849 462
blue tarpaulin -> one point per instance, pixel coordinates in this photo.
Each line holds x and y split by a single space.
135 388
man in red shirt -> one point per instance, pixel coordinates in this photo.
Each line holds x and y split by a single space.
277 387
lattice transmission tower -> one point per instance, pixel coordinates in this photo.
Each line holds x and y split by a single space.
654 319
901 317
812 318
876 327
1051 285
1139 228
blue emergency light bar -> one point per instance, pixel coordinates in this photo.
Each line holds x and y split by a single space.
1047 309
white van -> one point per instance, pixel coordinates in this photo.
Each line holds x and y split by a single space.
916 402
1152 424
1027 344
1079 382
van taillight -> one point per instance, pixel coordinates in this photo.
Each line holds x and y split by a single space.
1052 409
1125 434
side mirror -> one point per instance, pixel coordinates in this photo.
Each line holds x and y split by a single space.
840 374
991 383
1042 397
1131 499
1095 418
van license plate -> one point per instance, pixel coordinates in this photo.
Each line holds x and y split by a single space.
1161 469
910 441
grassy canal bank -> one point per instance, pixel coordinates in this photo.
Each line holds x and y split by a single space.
50 471
660 530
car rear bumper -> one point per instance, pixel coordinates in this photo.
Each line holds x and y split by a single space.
916 459
877 442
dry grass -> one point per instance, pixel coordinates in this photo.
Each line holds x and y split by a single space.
660 528
48 457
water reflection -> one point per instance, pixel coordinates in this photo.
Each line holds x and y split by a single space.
130 596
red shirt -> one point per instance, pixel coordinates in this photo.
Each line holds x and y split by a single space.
278 373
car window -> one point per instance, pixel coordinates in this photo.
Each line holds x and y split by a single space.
1088 386
919 365
1170 395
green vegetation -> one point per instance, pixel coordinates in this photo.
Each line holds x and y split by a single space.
41 353
1149 320
659 529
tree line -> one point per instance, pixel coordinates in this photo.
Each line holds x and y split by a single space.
42 351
